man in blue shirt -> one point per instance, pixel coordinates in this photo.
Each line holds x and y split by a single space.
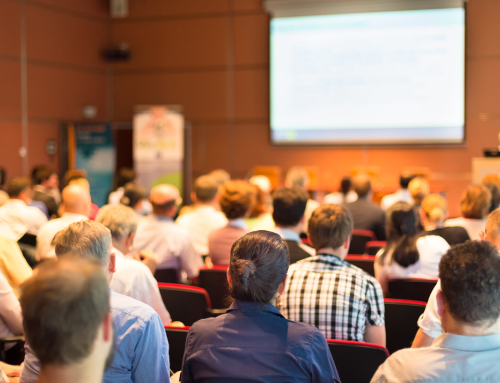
141 344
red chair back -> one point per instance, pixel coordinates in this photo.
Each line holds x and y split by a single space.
187 304
356 362
364 262
412 289
372 247
359 239
214 280
176 337
167 276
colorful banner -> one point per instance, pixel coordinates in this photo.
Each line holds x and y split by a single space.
159 146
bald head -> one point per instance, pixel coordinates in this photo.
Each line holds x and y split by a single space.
362 185
165 199
76 199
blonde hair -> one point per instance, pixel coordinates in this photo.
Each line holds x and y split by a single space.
419 189
475 202
435 208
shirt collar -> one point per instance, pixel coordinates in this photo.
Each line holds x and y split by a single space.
238 223
162 218
467 343
238 305
287 234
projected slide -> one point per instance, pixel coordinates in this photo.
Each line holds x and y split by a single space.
387 77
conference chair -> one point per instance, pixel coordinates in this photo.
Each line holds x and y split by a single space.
15 355
359 239
167 276
356 362
364 262
187 304
214 280
401 318
412 289
176 337
372 247
27 244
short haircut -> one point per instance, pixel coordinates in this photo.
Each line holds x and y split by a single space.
362 185
163 208
205 188
404 180
132 195
258 264
41 173
475 202
85 239
220 176
297 176
124 176
63 306
120 220
289 205
470 281
329 226
493 224
236 198
345 185
419 188
434 207
74 174
17 185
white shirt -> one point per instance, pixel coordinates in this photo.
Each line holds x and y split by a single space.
402 195
430 321
337 198
17 218
310 207
200 222
290 235
11 320
134 279
49 230
473 226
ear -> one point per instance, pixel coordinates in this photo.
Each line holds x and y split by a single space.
130 238
229 280
112 263
281 289
107 327
441 303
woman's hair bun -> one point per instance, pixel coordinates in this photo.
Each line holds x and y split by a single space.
248 270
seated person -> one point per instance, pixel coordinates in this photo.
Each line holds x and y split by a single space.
252 341
260 217
344 195
68 321
235 201
407 255
401 195
348 301
433 213
474 206
299 177
122 178
45 179
11 322
203 218
289 205
469 307
419 189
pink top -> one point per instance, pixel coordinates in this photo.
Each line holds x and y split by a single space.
220 241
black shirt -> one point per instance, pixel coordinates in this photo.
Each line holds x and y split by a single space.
454 235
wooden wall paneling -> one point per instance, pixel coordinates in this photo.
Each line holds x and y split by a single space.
10 89
251 39
10 28
251 94
39 134
92 8
483 87
483 28
175 8
10 143
247 5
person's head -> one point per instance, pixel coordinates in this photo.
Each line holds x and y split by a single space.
345 185
236 198
492 229
74 174
205 189
66 315
492 178
475 202
330 227
259 205
20 188
419 189
262 182
44 175
133 195
122 223
76 199
297 177
362 185
258 267
289 205
220 176
87 240
81 182
404 179
124 176
165 198
495 196
470 285
435 209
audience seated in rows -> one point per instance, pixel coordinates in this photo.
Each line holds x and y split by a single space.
235 199
13 265
468 304
11 320
203 218
158 233
141 345
260 217
401 195
341 300
68 321
474 206
45 182
406 254
252 340
289 205
366 215
135 197
299 177
16 217
344 195
131 277
433 213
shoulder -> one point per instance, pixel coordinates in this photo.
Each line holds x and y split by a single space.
432 242
128 311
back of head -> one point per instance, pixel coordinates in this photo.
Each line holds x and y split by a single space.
495 196
63 306
345 185
74 174
18 185
84 239
124 176
163 198
470 281
330 226
492 229
259 205
119 219
475 202
236 198
262 182
419 188
76 199
41 173
132 195
289 205
401 234
297 177
81 182
206 188
404 180
492 178
258 264
220 176
362 185
434 207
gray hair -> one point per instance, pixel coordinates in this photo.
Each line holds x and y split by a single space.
297 177
119 219
86 239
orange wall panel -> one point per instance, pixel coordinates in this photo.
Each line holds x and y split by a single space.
483 32
251 94
10 143
95 8
173 8
39 134
10 88
251 39
10 27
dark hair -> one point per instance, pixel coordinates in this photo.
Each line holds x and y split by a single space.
206 188
3 176
132 195
289 205
63 306
17 185
329 226
495 196
163 208
401 235
404 180
124 176
41 173
235 198
470 281
258 264
74 174
345 185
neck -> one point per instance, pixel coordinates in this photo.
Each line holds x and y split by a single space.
296 229
120 246
452 326
83 373
328 250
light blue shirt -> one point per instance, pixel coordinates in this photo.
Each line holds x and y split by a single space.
141 346
451 358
